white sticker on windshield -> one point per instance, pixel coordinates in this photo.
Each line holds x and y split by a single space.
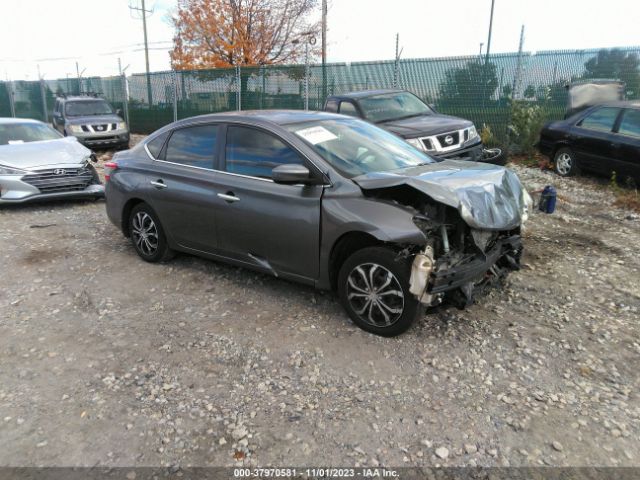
15 142
315 135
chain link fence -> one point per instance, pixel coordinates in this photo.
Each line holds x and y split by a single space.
468 87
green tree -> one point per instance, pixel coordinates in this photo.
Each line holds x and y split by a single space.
530 91
616 64
472 84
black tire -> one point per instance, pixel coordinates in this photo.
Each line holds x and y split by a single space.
377 263
144 220
565 163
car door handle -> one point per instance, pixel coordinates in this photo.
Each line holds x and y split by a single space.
228 197
159 184
615 145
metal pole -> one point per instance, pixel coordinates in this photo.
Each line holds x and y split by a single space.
516 78
175 95
306 75
238 88
395 67
490 30
44 101
79 84
12 104
125 101
324 50
146 52
486 58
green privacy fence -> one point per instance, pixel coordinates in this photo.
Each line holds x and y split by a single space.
470 87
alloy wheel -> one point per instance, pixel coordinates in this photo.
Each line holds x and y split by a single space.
375 295
564 163
145 233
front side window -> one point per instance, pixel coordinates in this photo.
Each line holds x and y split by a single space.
393 106
601 120
255 153
87 108
354 147
26 132
193 146
630 124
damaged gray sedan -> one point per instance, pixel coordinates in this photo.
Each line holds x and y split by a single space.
325 200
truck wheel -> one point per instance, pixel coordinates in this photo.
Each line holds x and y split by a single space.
373 287
565 162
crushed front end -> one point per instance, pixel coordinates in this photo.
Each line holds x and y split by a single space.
460 262
471 216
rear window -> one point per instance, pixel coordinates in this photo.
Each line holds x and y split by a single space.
193 146
601 120
630 124
155 145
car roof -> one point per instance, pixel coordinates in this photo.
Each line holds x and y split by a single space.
366 93
15 121
277 117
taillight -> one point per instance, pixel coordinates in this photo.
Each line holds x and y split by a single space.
109 168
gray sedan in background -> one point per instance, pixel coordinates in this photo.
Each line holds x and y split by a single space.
326 200
37 163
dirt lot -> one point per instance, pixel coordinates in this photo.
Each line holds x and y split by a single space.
107 360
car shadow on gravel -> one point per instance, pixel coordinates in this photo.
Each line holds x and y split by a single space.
47 204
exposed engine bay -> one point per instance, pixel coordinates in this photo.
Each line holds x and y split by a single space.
457 261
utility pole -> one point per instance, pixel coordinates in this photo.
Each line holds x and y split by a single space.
396 68
324 49
486 57
143 13
516 78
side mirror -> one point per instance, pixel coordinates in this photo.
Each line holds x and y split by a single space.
291 174
119 112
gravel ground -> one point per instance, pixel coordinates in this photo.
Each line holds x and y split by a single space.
107 360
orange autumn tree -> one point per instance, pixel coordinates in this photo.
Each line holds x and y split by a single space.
225 33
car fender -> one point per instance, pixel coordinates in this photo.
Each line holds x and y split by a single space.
385 221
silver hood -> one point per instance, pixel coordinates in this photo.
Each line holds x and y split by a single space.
34 155
487 197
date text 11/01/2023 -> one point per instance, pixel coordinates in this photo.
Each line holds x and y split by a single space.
315 472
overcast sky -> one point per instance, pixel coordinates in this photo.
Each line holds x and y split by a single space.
54 34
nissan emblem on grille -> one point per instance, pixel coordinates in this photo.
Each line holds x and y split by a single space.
59 171
448 139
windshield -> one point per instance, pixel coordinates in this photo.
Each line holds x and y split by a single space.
392 106
87 107
26 132
354 147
